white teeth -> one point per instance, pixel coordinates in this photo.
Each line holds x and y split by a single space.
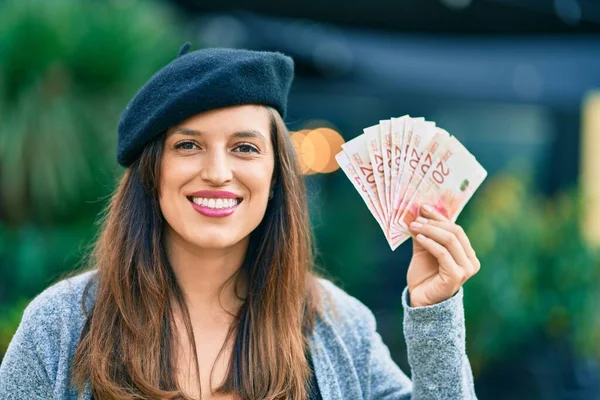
215 203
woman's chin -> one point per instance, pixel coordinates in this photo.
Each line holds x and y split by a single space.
214 245
215 242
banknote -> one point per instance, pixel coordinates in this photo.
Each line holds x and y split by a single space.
346 166
402 163
358 153
373 137
429 155
385 130
397 153
420 135
406 145
448 185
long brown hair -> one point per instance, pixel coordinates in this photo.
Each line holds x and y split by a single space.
126 349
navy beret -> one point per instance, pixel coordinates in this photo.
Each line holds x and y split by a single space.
199 81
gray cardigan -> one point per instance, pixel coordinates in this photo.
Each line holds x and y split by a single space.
351 361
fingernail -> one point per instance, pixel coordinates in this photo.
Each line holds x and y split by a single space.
427 208
415 225
422 220
421 237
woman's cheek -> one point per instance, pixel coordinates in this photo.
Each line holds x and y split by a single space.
258 180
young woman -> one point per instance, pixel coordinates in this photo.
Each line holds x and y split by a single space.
201 284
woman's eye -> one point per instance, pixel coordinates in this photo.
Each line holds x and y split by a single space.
187 146
246 148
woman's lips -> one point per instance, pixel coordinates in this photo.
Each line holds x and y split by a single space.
214 212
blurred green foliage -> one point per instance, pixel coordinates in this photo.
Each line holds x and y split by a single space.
348 259
67 70
539 277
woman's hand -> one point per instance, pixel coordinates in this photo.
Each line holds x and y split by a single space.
443 259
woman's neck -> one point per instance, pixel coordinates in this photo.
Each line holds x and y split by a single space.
201 272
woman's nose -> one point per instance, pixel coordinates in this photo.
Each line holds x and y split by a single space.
216 169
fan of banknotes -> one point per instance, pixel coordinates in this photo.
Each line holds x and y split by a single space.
402 163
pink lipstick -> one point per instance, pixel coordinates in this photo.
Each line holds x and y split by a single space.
216 204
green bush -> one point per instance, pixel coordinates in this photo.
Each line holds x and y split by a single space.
67 69
539 278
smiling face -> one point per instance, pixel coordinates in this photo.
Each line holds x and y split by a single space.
216 176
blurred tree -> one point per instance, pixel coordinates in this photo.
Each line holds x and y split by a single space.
539 278
67 70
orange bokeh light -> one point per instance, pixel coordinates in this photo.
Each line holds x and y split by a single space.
334 145
297 140
316 149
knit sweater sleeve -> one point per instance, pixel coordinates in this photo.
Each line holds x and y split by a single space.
37 363
24 373
435 338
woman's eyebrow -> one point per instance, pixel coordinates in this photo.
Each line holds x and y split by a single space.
251 133
185 131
